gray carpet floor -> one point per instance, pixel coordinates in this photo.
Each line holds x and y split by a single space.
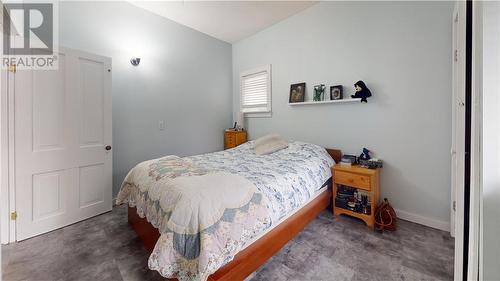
329 248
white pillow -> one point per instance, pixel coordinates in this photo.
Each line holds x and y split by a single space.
269 144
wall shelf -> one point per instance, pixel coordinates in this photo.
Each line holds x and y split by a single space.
324 102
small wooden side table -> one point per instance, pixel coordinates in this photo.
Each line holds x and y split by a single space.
364 180
233 138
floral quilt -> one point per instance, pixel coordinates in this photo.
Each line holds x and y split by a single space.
288 177
208 207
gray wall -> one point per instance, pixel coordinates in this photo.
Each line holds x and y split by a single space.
490 223
403 52
184 79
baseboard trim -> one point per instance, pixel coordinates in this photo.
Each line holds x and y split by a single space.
441 225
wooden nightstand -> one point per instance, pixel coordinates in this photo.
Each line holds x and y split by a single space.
234 138
363 180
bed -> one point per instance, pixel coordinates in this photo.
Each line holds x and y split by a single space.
233 209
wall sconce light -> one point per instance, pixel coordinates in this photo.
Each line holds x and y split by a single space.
135 61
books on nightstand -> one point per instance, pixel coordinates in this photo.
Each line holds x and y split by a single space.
353 199
348 160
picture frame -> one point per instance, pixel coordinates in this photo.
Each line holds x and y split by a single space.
297 93
336 92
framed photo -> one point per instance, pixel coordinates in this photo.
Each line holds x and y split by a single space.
297 92
336 92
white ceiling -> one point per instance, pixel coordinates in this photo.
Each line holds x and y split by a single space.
229 21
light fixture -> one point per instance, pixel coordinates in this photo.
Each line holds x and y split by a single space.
135 61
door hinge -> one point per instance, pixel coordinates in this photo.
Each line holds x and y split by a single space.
454 205
456 55
13 68
13 216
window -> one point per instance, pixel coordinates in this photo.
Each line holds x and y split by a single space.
255 87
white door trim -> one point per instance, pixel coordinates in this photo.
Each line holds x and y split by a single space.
11 161
7 227
4 172
454 176
4 117
8 202
459 103
476 190
476 124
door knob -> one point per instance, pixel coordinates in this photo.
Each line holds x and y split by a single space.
108 147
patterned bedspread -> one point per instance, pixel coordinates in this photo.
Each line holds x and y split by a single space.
288 177
203 219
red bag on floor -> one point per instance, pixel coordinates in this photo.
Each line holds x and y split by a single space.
385 217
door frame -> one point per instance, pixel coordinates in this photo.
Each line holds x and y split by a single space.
458 101
476 190
7 172
7 145
458 46
458 96
8 188
4 152
468 195
473 181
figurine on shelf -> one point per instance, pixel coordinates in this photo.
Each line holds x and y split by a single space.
319 92
365 155
361 91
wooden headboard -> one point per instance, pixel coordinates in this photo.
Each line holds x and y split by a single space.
336 154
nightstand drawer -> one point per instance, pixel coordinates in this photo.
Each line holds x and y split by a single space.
230 138
234 138
351 179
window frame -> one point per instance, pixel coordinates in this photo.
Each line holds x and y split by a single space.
257 111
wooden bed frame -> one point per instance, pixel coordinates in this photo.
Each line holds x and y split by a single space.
252 257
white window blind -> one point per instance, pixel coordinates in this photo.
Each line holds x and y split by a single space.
256 90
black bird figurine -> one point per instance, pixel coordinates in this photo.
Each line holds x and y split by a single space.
361 91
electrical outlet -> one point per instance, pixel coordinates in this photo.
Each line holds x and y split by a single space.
162 125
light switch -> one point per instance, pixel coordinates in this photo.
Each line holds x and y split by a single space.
161 125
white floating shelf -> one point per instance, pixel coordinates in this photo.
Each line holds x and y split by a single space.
325 101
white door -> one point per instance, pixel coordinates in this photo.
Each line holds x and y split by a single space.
62 143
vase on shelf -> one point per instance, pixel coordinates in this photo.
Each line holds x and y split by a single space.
319 92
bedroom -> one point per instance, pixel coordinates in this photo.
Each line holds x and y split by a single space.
139 111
